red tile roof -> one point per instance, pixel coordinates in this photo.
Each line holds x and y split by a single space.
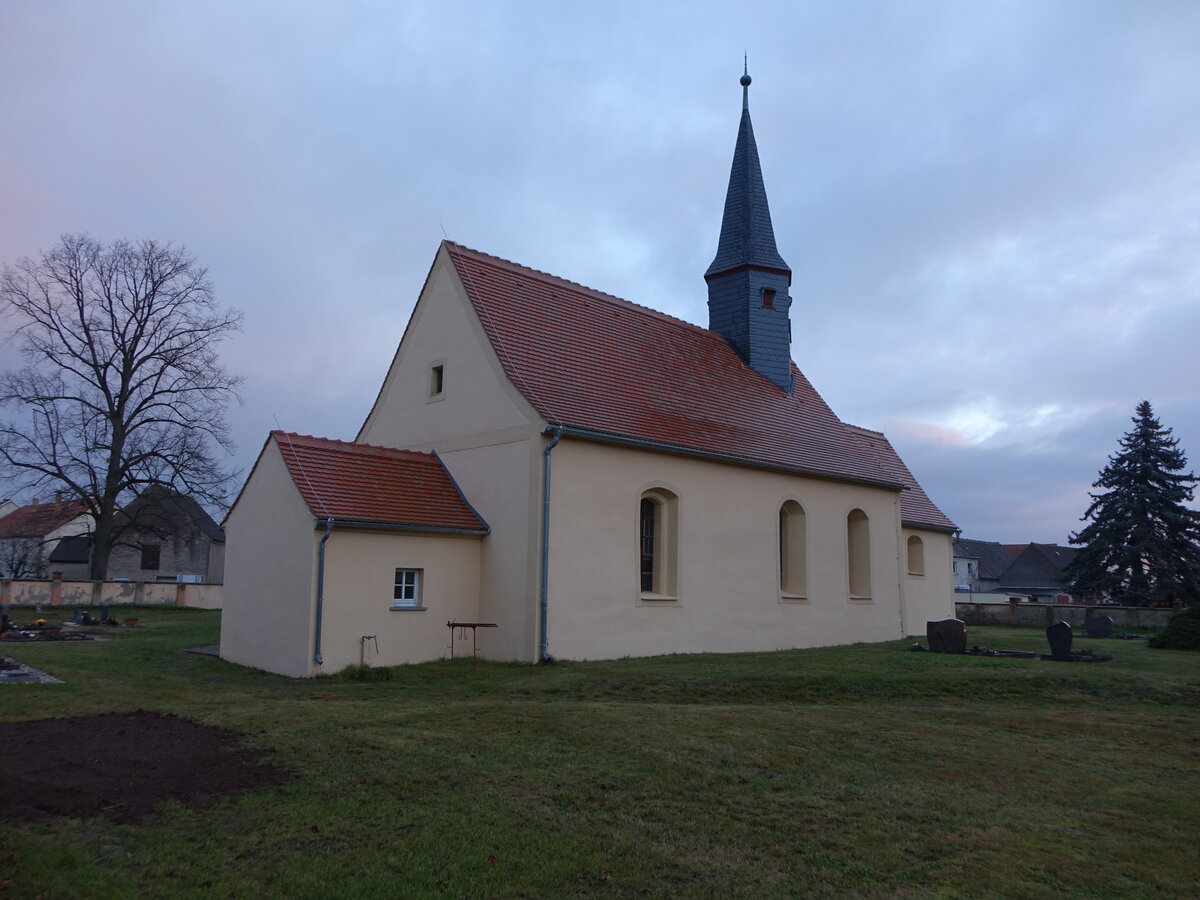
915 506
40 519
593 362
362 483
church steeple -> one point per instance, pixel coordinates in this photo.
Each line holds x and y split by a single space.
748 279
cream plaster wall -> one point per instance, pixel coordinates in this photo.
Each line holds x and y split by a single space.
488 437
360 568
502 481
728 545
929 597
270 572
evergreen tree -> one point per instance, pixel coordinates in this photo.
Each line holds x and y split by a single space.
1142 545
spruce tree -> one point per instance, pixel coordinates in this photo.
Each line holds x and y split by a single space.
1142 544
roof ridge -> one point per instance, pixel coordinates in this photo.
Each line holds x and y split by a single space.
862 429
596 292
354 445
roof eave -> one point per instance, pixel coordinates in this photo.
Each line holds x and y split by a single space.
397 526
925 526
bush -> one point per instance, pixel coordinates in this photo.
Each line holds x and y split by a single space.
1181 633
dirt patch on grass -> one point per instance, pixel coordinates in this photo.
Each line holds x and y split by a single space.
120 766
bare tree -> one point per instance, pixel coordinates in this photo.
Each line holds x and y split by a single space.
122 386
22 558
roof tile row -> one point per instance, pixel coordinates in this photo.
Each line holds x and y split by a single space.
590 361
363 483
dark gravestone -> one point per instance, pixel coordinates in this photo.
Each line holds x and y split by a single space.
1059 636
947 636
1099 627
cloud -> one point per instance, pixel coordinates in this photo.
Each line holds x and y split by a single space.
989 208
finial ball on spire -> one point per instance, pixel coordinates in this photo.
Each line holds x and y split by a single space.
745 80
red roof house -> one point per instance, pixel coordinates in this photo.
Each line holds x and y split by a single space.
29 534
589 478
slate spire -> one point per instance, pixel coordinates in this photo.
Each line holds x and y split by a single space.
748 279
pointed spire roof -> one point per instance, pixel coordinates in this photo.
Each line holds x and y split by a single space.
747 237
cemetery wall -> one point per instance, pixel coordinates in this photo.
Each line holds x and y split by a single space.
56 592
1042 615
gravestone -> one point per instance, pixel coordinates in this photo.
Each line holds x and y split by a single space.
947 636
1099 627
1059 636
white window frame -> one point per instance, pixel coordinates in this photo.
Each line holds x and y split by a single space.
407 582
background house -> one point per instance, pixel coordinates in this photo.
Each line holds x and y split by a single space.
1038 571
1030 571
162 536
30 534
979 565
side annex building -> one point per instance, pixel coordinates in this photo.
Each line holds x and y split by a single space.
596 478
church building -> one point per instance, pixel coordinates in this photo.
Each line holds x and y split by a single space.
591 477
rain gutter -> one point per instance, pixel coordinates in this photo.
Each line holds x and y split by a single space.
556 434
420 529
321 591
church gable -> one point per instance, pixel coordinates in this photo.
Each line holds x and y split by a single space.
445 381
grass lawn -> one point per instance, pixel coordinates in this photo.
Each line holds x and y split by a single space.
862 771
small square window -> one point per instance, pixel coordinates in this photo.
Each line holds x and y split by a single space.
407 590
768 298
436 375
151 554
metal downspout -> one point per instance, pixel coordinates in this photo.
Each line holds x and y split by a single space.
321 592
544 600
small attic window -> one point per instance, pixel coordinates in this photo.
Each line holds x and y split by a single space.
768 298
435 381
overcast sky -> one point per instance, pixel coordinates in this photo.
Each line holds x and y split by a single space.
991 208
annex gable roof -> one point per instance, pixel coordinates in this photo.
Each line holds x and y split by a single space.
597 364
362 484
915 506
40 519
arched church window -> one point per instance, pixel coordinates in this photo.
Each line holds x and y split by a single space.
657 530
916 556
858 553
793 575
